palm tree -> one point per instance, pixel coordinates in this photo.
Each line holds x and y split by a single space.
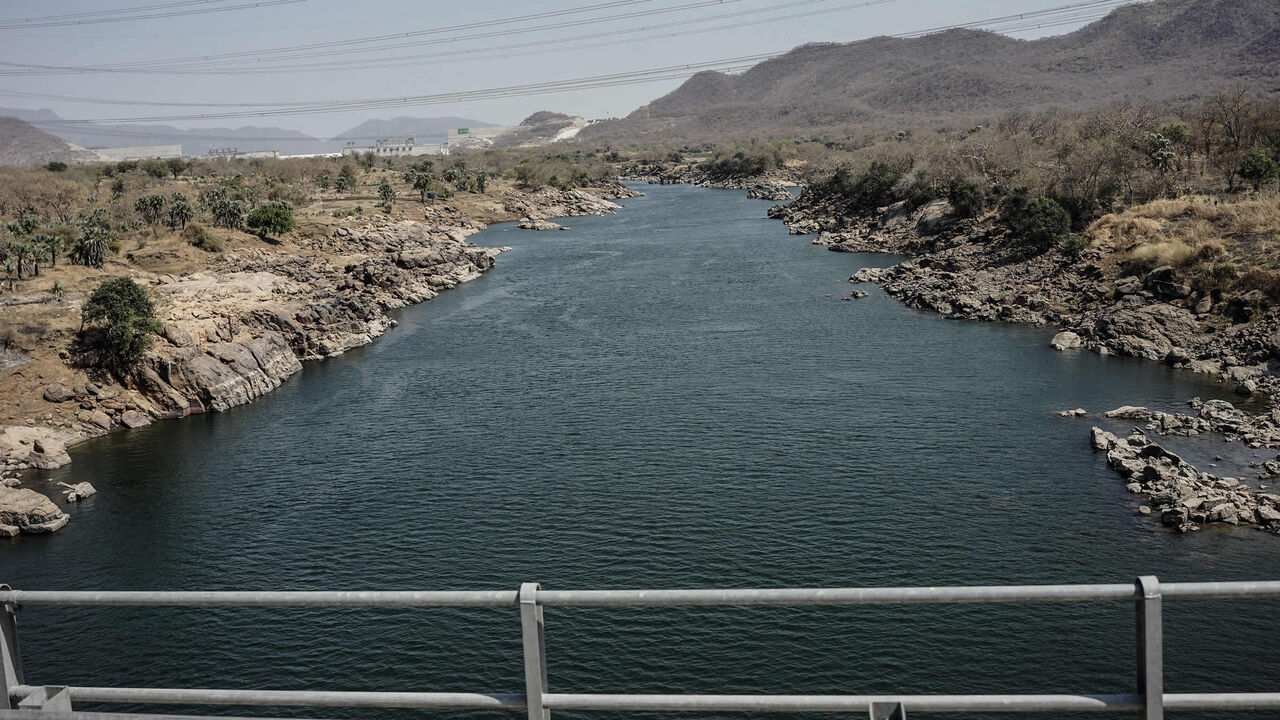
51 245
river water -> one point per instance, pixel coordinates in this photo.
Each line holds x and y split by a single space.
675 396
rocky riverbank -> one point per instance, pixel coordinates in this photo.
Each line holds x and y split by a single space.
965 269
968 269
774 187
239 327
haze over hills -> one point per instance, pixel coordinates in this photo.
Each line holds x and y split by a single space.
24 144
201 140
1166 50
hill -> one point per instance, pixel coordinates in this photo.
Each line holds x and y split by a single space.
200 140
1166 51
21 143
425 130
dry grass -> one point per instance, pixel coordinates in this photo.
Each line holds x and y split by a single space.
1219 244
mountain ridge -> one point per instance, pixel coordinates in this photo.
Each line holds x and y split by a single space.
1161 51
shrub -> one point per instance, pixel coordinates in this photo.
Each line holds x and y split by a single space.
55 166
1073 245
121 322
738 165
868 191
273 218
1258 168
228 213
966 197
93 239
1037 223
199 236
155 168
151 208
180 211
1256 278
387 193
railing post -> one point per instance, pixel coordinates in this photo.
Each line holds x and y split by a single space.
887 711
533 634
1150 645
10 654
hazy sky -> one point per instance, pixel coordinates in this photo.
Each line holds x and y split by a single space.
319 21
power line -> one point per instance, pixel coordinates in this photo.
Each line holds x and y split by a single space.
1058 16
48 23
249 54
539 47
117 11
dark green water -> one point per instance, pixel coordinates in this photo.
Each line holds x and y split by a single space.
671 397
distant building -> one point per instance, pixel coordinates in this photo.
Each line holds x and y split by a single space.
232 153
151 152
475 138
407 147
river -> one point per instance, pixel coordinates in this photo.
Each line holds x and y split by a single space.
675 396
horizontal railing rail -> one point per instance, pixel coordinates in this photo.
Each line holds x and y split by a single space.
20 701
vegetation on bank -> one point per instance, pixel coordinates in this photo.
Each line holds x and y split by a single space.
92 215
1194 188
118 326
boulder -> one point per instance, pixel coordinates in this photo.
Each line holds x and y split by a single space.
934 217
56 393
1128 286
47 454
176 335
30 511
1162 282
1101 439
100 419
540 225
133 419
79 491
1065 340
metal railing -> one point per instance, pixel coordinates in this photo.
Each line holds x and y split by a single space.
20 701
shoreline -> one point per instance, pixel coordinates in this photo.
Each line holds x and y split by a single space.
949 269
239 327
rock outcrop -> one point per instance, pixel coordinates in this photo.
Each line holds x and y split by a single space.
28 511
1185 497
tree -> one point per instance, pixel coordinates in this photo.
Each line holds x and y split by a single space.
17 253
1258 167
388 195
93 239
155 168
177 166
965 196
420 181
55 166
117 188
50 244
1039 223
121 322
228 213
324 180
273 218
346 178
151 208
180 211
